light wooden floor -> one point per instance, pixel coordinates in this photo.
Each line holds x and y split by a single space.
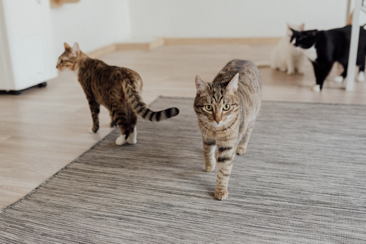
43 130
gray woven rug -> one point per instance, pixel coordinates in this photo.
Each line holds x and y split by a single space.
303 180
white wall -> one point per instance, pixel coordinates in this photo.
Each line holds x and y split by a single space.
91 23
231 18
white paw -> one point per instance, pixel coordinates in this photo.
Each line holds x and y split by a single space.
132 138
91 131
338 79
361 77
316 88
121 140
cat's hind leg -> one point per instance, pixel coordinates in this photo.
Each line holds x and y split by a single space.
122 138
132 121
340 79
112 123
132 138
126 119
243 144
119 115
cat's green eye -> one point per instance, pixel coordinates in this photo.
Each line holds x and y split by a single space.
208 107
226 107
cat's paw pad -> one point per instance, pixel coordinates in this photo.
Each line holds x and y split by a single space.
210 167
221 193
361 77
338 79
316 88
240 150
121 140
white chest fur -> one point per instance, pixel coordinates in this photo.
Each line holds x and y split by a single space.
311 53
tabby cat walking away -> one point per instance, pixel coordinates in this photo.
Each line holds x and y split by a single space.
116 88
227 109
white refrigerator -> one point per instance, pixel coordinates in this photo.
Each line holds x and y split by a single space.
26 45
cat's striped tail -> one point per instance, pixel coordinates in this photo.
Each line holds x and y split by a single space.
137 104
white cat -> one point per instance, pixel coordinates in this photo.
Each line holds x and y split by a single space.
285 56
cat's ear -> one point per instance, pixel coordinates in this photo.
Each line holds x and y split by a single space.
302 26
293 31
232 87
76 49
67 46
201 85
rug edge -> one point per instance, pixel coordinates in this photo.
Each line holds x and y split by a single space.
63 168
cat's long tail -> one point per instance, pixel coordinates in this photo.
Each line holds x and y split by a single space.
138 105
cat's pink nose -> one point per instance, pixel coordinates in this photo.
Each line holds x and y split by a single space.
217 121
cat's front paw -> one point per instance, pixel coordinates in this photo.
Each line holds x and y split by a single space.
221 193
112 124
240 150
361 77
93 130
316 88
210 167
338 79
121 140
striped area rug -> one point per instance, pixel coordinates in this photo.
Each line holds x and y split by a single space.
303 180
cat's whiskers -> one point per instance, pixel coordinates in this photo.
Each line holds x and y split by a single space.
228 123
230 126
207 129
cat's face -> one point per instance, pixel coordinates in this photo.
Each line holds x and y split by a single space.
68 58
217 104
303 39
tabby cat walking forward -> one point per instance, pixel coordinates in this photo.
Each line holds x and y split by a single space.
227 109
116 88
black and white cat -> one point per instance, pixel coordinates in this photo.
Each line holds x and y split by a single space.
323 48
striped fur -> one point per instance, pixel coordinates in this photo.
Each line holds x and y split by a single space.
116 88
226 132
140 108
